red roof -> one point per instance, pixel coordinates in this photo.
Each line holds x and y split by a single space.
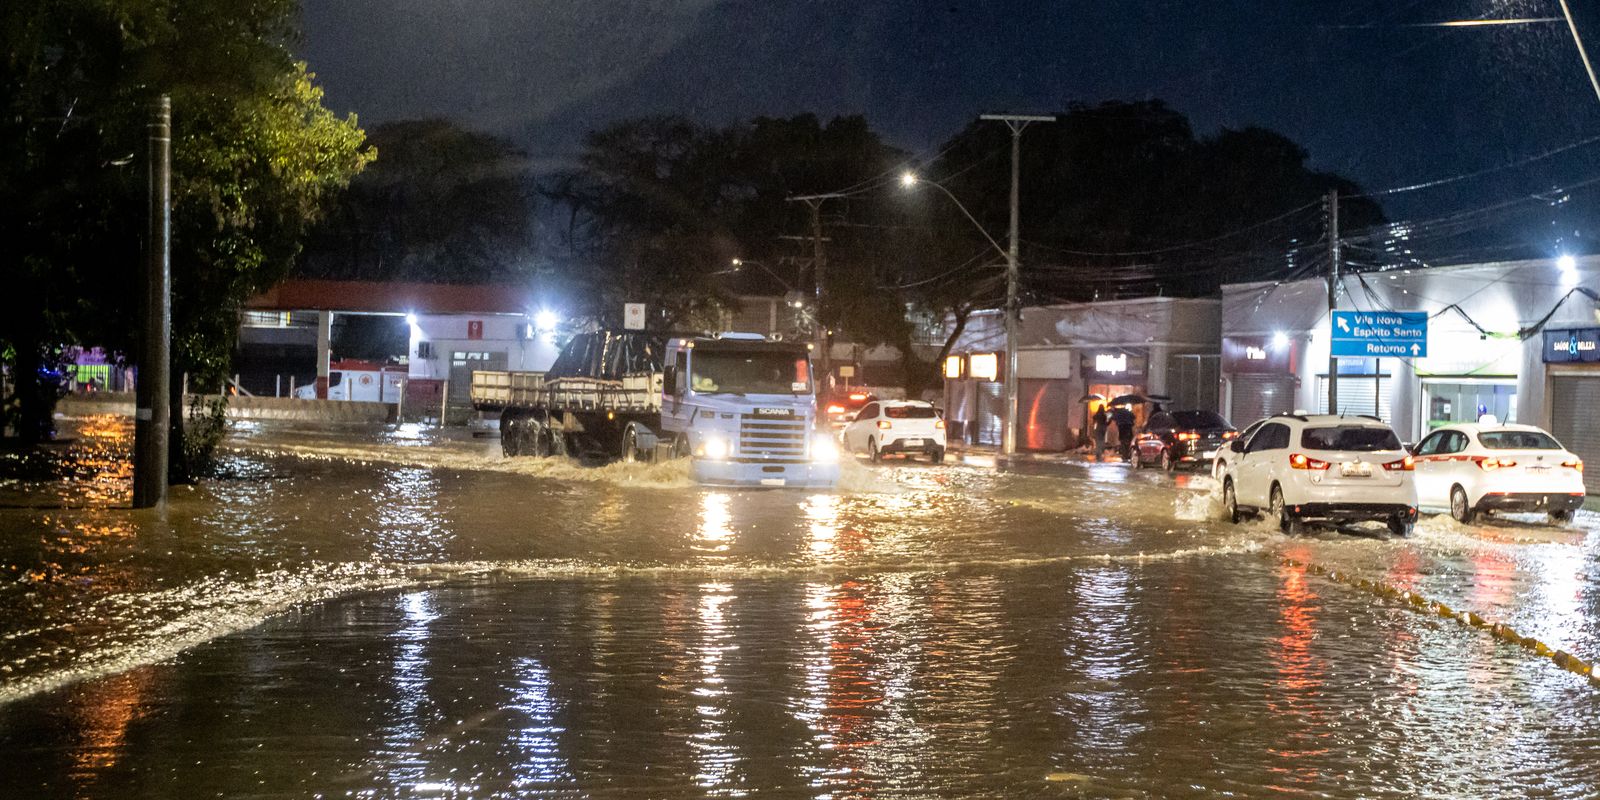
395 298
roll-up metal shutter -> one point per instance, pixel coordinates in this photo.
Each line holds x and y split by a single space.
1575 421
1257 396
1356 395
991 411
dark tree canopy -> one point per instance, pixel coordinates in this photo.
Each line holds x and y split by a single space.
441 204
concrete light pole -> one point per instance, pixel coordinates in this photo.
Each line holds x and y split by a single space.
152 408
1016 122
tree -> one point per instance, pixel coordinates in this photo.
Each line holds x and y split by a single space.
442 204
255 158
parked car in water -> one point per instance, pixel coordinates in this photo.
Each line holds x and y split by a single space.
1181 438
1476 468
1323 467
890 427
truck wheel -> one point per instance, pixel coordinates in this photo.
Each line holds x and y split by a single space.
630 445
510 436
680 446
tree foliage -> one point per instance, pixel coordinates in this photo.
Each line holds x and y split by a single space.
441 204
255 157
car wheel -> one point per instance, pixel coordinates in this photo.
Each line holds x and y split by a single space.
1137 457
872 451
1230 502
1400 526
1460 509
1287 522
1561 516
1168 463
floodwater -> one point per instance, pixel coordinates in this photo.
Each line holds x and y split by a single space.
389 613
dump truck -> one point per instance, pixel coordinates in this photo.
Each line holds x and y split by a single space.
739 406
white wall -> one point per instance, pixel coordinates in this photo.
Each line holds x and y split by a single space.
448 333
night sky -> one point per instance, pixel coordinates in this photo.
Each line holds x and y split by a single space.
1368 90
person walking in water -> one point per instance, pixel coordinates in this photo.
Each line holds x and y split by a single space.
1098 424
1122 416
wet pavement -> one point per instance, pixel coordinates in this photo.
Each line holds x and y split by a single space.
387 613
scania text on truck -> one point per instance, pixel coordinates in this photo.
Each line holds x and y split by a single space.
738 405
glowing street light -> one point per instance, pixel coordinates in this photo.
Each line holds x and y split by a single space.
1569 270
546 321
908 179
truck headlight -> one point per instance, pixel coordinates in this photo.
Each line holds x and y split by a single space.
714 448
823 450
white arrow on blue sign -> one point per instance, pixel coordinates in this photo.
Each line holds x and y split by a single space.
1380 334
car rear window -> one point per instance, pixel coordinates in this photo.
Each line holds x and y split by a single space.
1359 438
1199 419
1518 440
909 412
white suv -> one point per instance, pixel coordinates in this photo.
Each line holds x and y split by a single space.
884 427
1326 467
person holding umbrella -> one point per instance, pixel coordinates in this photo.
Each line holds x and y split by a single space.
1122 417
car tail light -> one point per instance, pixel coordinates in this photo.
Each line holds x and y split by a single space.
1230 434
1188 437
1573 464
858 397
1490 463
884 424
938 424
1298 461
835 409
1407 464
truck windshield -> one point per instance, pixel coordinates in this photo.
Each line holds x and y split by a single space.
756 372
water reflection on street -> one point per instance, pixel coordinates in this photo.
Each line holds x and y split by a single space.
384 613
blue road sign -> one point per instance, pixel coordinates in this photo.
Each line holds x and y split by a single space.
1381 334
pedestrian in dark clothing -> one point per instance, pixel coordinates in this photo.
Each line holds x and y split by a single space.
1122 417
1098 425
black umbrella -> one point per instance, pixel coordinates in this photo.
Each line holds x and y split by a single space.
1158 398
1092 397
1129 399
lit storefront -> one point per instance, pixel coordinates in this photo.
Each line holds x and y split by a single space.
1149 346
1487 324
1571 359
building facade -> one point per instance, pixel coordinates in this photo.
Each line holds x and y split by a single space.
1163 345
1512 339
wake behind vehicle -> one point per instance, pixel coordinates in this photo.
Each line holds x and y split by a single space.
738 405
1323 467
1181 438
1476 468
891 427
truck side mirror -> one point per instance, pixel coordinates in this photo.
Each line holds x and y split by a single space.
669 380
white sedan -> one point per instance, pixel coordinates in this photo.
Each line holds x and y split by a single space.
1471 468
886 427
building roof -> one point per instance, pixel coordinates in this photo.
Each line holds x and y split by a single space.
394 297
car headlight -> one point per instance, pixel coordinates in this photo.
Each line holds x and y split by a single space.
823 450
714 447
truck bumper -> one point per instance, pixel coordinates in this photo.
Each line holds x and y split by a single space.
736 473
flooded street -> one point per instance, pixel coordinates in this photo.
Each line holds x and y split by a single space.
386 613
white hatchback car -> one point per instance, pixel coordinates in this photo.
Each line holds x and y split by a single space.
1325 467
886 427
1470 468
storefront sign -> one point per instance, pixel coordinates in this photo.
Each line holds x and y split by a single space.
1572 346
1395 334
1111 364
1116 367
1255 357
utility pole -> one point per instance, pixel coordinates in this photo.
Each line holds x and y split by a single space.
152 411
1333 296
1016 122
819 273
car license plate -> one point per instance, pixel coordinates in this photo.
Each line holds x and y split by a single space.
1209 454
1539 468
1355 469
913 443
771 481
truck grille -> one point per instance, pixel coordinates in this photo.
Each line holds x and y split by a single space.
766 439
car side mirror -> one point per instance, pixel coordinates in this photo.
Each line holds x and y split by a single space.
1237 446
